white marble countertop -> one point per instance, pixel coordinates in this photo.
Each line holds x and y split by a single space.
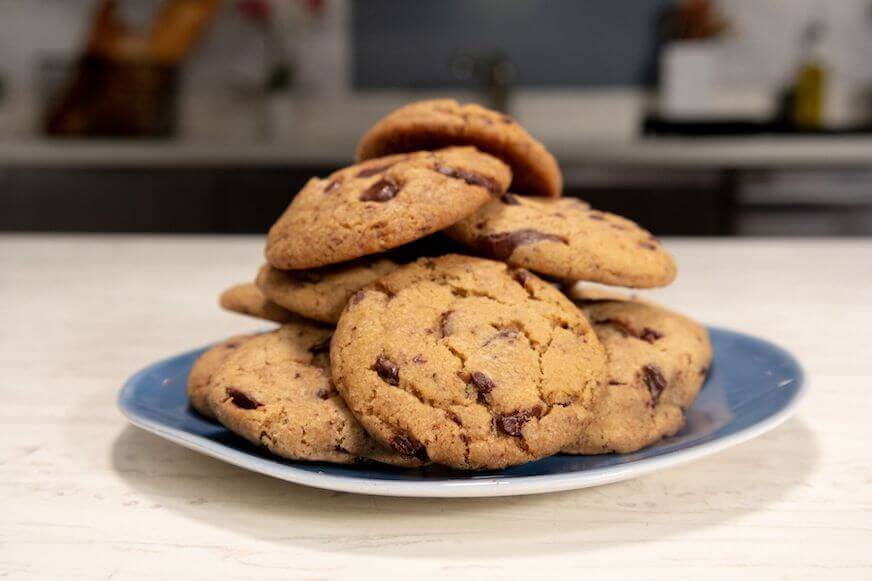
84 494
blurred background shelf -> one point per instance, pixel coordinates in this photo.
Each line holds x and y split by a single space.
693 117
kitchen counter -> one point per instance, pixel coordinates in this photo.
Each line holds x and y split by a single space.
710 153
84 494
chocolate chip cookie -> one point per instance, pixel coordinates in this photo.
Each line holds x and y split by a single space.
203 369
246 299
321 293
275 391
657 363
467 362
381 204
566 239
445 122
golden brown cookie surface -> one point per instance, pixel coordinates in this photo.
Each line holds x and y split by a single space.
566 239
275 391
445 122
657 363
467 362
203 369
382 204
246 299
321 293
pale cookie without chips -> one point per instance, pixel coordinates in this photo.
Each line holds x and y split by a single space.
467 362
203 369
275 391
246 299
657 362
445 122
322 293
382 204
567 240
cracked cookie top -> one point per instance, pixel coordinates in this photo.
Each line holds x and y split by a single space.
206 365
275 391
382 204
657 363
444 122
321 293
568 240
467 362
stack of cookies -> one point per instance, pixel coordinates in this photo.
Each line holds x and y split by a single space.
429 311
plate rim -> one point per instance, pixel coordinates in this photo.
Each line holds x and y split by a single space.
474 487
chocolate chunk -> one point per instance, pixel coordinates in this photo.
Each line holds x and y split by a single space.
647 334
387 370
445 327
654 380
703 371
332 185
614 382
650 335
454 417
358 296
324 393
375 169
512 424
380 191
482 384
322 347
501 245
522 275
510 200
242 400
470 177
408 446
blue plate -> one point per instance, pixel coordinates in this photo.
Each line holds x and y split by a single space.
753 386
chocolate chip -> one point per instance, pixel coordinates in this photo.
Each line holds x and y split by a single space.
419 359
703 371
242 400
358 296
470 177
332 185
522 275
512 424
232 345
613 382
647 334
482 384
374 169
387 370
650 335
506 119
510 200
381 191
654 380
454 417
597 216
445 327
322 347
408 446
324 393
501 245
